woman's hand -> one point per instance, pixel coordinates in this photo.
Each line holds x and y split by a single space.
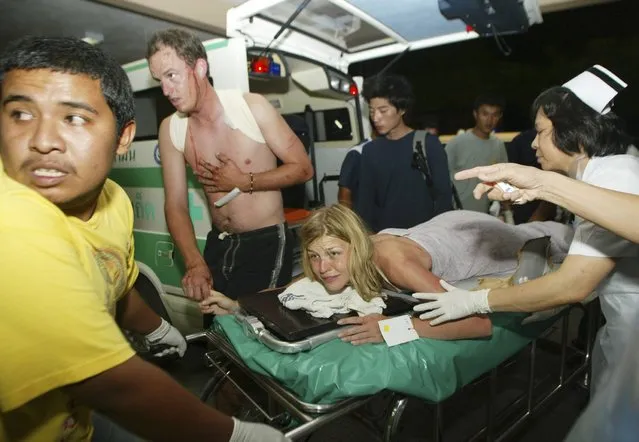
218 304
528 180
365 330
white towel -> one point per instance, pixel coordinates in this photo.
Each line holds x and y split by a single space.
312 296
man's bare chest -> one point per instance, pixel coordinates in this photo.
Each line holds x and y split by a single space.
204 144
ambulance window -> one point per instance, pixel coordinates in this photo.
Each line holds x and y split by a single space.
151 107
333 125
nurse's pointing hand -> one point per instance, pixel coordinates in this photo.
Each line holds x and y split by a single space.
529 181
454 304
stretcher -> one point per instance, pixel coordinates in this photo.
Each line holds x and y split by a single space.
310 383
263 318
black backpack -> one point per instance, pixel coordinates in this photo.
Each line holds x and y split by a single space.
420 162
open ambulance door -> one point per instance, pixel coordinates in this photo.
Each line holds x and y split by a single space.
313 43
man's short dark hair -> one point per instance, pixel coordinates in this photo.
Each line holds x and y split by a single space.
489 100
575 124
395 88
186 45
73 56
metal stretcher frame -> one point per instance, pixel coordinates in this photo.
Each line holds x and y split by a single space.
533 406
533 263
311 416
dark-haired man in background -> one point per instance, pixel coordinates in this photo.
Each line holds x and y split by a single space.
477 147
392 191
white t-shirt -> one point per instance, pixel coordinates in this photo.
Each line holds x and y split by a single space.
619 291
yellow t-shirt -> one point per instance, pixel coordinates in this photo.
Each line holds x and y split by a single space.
60 279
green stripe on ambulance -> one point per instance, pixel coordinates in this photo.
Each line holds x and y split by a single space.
158 251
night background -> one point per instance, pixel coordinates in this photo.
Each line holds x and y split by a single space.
446 79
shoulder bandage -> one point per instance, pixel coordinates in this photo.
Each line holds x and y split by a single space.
237 115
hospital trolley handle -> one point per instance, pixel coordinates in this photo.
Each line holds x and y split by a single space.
254 328
195 337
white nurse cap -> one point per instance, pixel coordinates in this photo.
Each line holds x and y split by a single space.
596 87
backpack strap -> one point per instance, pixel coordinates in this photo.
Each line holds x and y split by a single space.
420 161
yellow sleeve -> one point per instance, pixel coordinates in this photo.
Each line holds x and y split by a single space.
131 264
122 204
54 329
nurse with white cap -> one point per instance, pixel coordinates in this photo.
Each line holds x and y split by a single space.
579 136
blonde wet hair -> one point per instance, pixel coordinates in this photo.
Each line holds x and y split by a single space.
341 222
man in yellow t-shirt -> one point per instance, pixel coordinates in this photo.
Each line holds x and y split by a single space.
67 268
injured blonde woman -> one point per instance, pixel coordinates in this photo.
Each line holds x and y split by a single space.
340 257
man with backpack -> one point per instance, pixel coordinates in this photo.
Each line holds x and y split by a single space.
403 175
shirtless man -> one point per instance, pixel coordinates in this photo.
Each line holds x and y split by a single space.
249 247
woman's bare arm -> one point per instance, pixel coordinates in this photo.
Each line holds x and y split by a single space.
408 267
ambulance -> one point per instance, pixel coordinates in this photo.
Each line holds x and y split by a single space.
297 54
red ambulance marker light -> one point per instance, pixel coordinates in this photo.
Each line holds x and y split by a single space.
260 65
353 90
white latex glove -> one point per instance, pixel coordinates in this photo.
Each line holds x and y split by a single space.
251 432
455 304
168 335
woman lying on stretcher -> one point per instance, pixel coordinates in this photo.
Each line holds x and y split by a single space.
338 253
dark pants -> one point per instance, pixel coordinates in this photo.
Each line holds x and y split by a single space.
105 430
245 263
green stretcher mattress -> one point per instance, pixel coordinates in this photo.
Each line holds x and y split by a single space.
425 368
